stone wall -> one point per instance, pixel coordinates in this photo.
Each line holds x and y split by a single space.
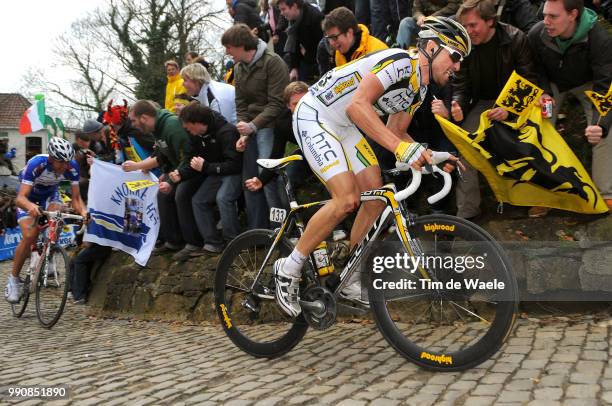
559 255
163 289
566 257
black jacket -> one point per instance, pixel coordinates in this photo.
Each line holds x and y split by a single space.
247 12
518 13
325 57
589 59
424 127
102 150
306 32
513 54
280 29
218 148
333 4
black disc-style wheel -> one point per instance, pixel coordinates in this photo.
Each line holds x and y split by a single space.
52 287
247 309
449 304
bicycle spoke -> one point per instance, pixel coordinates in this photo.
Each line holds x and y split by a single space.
470 312
409 297
244 287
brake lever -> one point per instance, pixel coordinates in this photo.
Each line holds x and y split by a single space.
428 168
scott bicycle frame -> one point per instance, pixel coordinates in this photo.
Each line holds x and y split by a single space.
392 211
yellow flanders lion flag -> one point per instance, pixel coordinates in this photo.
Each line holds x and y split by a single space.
518 94
603 104
527 164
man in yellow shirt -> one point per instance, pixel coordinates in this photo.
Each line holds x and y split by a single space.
349 39
174 86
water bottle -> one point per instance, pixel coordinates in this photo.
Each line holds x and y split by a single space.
33 259
322 262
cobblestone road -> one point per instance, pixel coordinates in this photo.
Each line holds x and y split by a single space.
548 360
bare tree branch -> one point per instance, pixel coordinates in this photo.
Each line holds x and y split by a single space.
118 51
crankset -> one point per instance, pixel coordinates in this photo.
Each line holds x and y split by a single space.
318 307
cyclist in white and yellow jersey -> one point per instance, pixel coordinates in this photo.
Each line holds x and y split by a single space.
328 123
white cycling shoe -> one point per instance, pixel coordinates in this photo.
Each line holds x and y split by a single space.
12 292
287 289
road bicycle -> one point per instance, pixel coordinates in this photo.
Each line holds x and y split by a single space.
47 270
441 289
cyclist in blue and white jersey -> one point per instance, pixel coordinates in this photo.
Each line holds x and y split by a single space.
328 123
38 189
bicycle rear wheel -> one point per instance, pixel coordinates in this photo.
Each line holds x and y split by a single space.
459 315
249 315
52 287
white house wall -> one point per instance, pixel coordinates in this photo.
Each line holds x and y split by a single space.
18 141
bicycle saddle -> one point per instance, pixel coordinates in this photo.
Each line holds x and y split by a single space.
278 163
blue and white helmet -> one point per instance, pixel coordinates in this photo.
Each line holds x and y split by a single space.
60 149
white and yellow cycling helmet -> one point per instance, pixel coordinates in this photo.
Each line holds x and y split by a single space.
447 33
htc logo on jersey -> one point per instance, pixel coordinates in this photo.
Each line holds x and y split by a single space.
320 149
404 72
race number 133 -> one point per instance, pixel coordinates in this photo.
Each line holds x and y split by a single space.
277 215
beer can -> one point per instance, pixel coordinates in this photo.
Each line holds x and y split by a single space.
547 108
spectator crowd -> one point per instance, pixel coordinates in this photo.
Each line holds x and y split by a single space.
205 140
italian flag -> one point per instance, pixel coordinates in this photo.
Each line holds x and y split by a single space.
33 118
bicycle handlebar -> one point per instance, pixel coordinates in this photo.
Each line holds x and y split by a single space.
66 216
437 157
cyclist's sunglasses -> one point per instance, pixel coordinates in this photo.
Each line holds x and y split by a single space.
455 56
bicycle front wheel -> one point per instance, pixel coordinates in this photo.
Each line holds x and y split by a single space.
52 287
452 304
19 308
249 313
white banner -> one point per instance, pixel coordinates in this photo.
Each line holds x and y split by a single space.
121 217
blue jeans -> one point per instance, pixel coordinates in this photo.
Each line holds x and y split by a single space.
406 34
81 268
177 223
265 141
224 190
387 12
257 203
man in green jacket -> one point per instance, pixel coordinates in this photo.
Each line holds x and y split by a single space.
261 77
171 151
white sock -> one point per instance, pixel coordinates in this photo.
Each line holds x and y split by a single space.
294 263
14 279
